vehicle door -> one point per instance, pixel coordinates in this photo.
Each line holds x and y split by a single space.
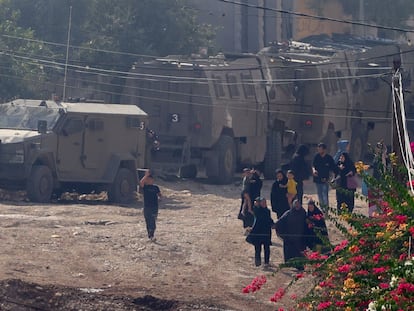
69 148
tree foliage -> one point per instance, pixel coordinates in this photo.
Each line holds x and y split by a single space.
104 33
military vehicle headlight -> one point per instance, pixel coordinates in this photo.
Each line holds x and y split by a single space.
18 157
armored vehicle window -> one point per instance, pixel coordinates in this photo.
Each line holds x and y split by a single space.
218 86
326 84
371 84
95 125
333 81
233 86
341 80
248 85
132 122
72 126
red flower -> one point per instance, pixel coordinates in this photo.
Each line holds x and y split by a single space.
411 230
379 270
402 219
341 246
345 268
255 285
376 257
405 287
362 272
278 295
340 303
357 259
324 305
384 285
300 275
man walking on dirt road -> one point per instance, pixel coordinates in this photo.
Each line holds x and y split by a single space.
151 195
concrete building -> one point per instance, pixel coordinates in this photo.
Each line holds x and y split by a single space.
248 29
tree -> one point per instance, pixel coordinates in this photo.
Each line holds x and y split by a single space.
19 68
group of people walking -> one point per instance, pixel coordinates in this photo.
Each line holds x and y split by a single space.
298 228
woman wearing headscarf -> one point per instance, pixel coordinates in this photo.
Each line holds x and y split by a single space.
291 229
278 197
344 192
316 230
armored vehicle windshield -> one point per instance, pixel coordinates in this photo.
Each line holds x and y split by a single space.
25 116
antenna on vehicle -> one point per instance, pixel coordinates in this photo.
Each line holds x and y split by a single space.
67 53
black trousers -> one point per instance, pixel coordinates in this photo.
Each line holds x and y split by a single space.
258 253
299 188
150 215
346 196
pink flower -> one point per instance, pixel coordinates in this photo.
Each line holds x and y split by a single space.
340 303
379 270
384 285
362 273
402 219
357 259
376 257
341 246
345 268
405 287
324 305
293 296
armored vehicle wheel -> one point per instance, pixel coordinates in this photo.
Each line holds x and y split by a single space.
188 171
226 161
123 188
40 184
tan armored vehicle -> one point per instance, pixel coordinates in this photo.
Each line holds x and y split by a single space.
47 148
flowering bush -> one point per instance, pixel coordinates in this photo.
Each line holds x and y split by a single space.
373 267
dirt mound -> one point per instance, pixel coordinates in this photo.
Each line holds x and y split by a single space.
16 295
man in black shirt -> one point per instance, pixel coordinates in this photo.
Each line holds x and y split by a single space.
151 195
322 165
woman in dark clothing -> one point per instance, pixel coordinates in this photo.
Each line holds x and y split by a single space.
261 232
344 194
247 210
301 169
278 197
291 228
316 228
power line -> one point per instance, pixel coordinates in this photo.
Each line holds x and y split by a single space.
331 19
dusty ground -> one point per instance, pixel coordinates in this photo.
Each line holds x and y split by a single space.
89 255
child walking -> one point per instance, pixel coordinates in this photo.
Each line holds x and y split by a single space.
291 187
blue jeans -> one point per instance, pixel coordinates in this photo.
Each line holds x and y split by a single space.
323 189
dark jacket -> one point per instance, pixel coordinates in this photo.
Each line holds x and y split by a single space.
262 227
324 165
255 186
298 164
291 228
278 197
349 166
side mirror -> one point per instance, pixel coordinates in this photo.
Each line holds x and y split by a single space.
42 126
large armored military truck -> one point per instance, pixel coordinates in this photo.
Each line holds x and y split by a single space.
50 147
208 112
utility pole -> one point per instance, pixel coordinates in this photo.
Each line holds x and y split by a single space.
398 141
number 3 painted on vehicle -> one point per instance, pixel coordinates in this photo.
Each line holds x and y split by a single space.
175 118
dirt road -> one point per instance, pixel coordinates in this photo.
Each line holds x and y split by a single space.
93 256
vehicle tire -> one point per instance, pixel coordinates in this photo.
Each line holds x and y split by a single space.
123 188
358 144
188 171
226 156
273 156
40 184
